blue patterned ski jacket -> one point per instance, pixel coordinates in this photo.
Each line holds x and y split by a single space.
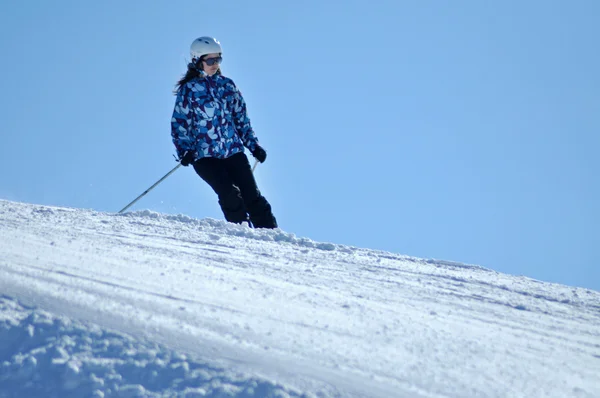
210 118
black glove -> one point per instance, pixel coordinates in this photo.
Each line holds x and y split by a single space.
187 158
259 153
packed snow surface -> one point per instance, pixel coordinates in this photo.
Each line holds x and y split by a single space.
154 305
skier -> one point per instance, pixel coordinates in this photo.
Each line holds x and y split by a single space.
210 128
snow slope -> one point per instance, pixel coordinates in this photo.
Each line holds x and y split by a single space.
147 304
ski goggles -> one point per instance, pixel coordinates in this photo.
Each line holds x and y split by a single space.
212 61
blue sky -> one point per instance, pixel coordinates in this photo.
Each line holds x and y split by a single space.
463 131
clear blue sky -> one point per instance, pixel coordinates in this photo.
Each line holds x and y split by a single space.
464 131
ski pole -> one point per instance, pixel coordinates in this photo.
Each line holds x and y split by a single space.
150 189
255 164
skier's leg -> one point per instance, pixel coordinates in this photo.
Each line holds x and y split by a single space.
214 173
257 206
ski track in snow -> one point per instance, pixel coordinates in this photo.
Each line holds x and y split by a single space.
148 304
54 356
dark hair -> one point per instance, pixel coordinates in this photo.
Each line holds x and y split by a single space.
193 71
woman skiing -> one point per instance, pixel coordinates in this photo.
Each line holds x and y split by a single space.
210 128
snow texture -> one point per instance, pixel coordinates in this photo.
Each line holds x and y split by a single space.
145 304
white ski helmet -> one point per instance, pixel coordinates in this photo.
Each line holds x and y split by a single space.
204 45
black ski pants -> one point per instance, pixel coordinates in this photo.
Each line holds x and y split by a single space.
233 182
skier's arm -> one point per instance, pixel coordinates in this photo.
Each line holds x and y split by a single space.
242 121
181 123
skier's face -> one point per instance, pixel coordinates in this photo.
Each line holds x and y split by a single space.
211 58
